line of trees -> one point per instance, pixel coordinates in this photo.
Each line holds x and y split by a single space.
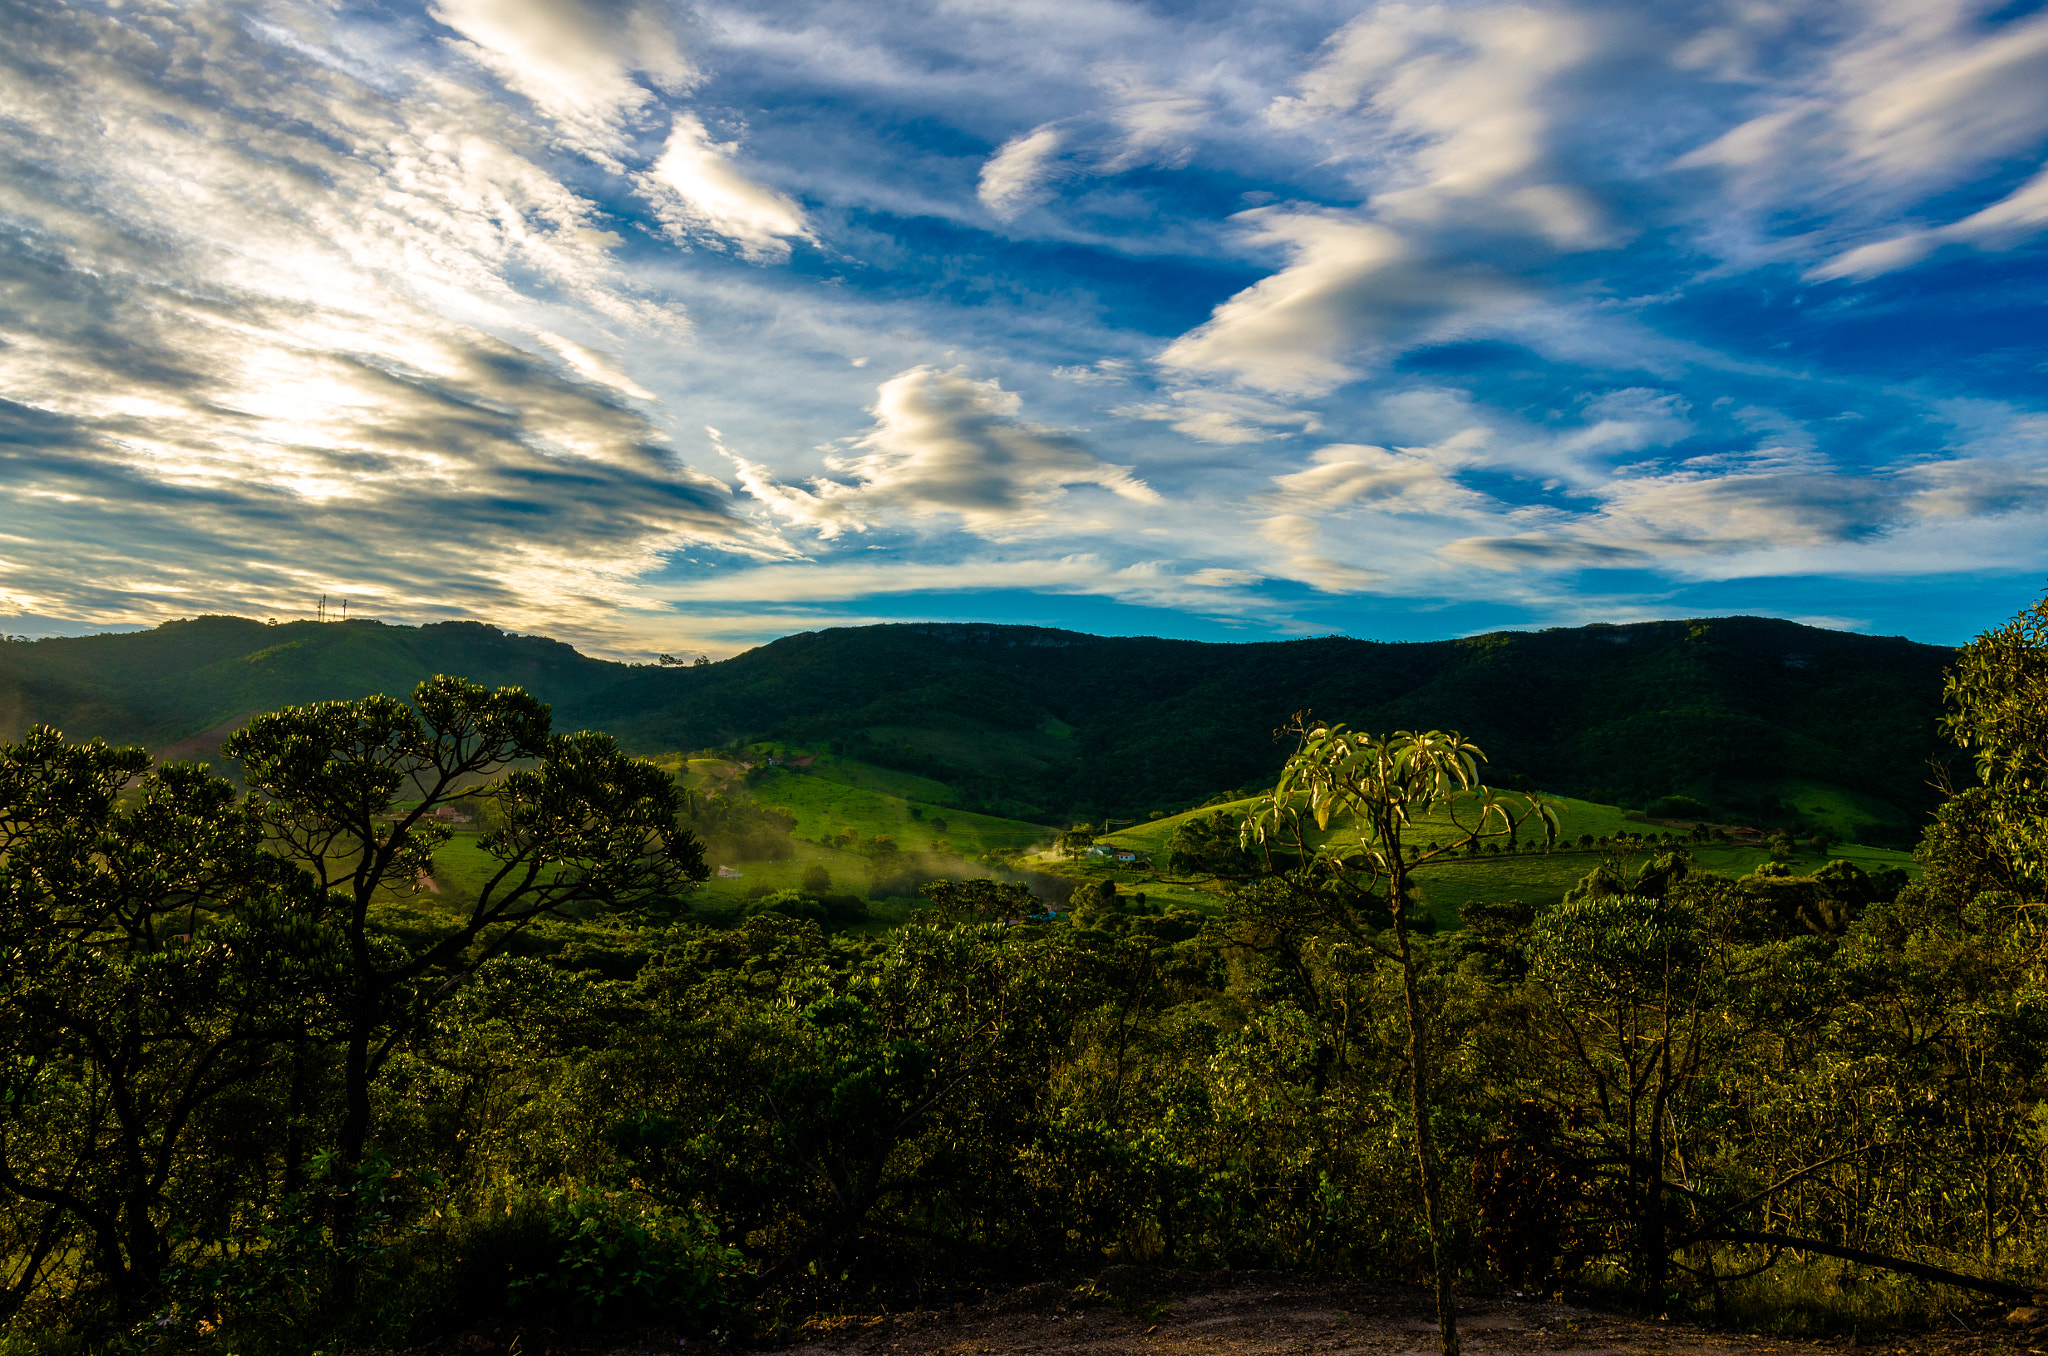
257 1094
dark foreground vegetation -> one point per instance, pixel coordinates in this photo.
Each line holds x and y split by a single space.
255 1098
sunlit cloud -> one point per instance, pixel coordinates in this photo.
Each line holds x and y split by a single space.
945 444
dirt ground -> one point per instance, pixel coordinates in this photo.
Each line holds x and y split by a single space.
1131 1312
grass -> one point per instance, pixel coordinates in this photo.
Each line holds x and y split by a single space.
837 793
845 771
1842 811
1447 886
877 801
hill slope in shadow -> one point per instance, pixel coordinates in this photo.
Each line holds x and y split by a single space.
1053 724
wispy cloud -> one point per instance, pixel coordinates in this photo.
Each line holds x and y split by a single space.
945 444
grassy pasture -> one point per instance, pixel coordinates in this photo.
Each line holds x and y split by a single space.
1448 885
1841 810
876 801
837 793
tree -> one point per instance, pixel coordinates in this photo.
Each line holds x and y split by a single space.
152 962
1371 788
348 789
1076 841
1998 699
1629 986
980 900
1211 845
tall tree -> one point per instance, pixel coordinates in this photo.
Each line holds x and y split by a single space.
350 791
153 960
1370 788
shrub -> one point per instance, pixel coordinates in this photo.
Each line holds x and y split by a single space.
1677 807
616 1256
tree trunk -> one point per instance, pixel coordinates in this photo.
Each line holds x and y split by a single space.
294 1121
1425 1144
1657 1260
351 1148
52 1230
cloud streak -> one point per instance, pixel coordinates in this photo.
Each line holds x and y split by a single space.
945 444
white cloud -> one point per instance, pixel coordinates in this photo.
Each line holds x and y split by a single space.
1913 101
1018 176
1539 551
1302 560
1151 582
1102 372
1223 417
1674 519
945 444
2004 224
695 187
1470 90
595 367
252 356
575 59
1142 124
1157 126
1978 487
1351 289
1408 480
1449 118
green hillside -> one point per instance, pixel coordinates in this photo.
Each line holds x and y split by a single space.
1446 887
1763 720
1050 724
181 681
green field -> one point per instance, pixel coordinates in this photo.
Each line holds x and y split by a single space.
836 793
828 798
1446 887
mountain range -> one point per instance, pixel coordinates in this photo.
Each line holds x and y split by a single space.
1739 712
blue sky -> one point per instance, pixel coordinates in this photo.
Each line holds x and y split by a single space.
671 326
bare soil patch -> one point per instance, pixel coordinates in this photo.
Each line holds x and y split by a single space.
1132 1311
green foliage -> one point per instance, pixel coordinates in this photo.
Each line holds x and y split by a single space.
1211 845
615 1256
1998 700
1076 841
980 900
739 829
352 1114
827 910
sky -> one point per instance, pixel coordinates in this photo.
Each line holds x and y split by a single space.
667 326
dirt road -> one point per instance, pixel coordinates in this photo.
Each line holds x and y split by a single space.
1131 1312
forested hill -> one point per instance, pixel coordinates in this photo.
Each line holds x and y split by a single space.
1066 723
163 687
1052 724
